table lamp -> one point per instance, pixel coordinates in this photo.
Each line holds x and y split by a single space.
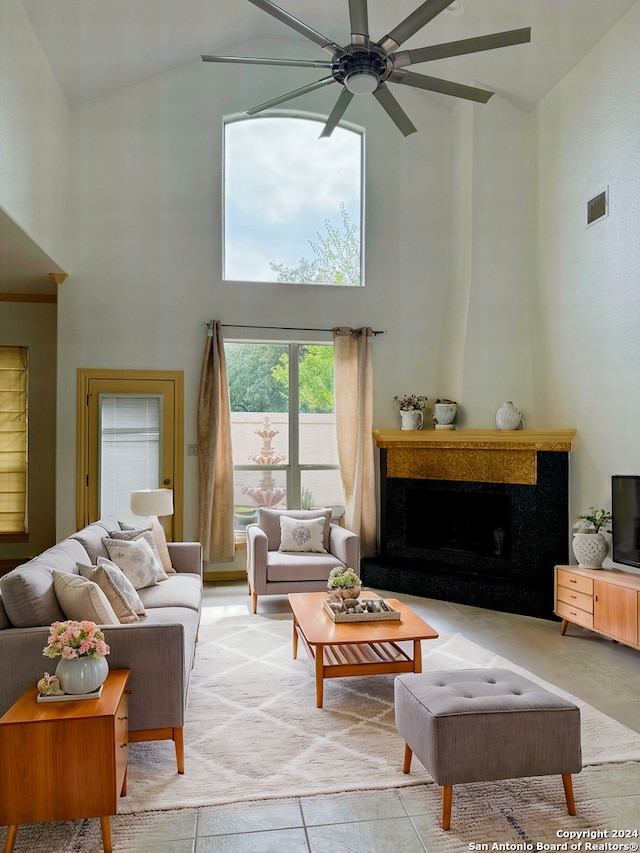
152 503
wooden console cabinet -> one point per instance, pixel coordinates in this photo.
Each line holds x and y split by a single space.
604 600
64 760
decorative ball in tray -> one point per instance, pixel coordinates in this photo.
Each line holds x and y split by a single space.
361 610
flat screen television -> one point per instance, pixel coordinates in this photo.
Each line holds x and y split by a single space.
625 508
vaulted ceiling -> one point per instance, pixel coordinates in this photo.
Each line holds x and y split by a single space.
96 47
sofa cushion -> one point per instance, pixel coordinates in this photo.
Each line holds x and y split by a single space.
283 566
302 534
137 560
117 587
181 590
269 521
27 592
91 538
82 599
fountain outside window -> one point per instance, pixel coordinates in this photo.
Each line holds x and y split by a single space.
266 493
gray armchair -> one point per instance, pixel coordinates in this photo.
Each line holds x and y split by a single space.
271 571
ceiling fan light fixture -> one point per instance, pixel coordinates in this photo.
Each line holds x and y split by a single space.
361 81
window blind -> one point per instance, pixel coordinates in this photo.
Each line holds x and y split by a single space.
131 450
13 439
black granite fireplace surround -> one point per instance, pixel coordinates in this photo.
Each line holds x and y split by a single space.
489 544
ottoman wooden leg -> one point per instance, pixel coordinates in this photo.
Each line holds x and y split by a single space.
406 767
568 792
447 796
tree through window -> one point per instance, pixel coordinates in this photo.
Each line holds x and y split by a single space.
283 427
292 202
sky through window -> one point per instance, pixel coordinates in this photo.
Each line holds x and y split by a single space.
281 184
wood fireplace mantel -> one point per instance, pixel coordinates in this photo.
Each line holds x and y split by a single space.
473 455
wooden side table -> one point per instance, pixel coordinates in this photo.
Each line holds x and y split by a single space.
64 760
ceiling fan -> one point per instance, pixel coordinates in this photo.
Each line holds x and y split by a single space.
365 67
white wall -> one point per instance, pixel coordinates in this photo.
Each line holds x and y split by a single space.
588 344
147 230
34 137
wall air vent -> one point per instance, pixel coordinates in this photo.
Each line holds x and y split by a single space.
598 207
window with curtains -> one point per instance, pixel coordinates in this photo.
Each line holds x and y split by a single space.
293 203
14 363
283 427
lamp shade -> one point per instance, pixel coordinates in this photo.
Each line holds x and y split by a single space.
148 502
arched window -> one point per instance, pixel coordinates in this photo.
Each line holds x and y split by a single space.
292 202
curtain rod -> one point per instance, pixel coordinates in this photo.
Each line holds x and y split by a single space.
286 328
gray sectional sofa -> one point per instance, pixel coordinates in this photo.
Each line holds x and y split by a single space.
159 649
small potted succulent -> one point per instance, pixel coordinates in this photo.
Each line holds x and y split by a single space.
589 545
343 583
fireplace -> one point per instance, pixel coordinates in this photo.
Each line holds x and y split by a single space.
479 517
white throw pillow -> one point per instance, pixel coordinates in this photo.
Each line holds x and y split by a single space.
156 539
136 560
117 587
302 534
82 599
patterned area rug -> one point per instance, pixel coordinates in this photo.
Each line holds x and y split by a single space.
253 730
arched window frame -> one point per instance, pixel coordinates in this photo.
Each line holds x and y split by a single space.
318 122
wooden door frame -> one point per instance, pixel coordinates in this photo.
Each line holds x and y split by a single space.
85 375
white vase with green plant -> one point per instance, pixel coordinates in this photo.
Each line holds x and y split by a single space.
590 547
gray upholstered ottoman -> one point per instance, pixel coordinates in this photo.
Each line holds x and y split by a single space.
477 725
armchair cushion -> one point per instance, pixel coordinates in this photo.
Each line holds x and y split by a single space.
269 521
302 534
292 567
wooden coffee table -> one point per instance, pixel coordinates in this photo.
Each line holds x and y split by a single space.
343 649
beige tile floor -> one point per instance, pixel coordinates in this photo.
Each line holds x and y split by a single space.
604 674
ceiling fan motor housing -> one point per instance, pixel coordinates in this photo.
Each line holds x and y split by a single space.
361 70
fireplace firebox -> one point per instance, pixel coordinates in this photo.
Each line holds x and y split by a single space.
479 517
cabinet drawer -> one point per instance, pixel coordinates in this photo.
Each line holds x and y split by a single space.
574 614
574 581
576 599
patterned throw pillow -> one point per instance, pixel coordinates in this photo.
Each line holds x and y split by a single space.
117 587
137 560
82 599
297 534
156 539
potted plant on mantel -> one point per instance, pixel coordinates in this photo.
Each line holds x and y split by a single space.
589 545
411 406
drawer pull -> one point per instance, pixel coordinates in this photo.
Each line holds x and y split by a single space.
572 580
573 596
573 612
123 718
123 745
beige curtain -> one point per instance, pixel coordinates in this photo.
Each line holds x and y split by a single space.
354 424
215 459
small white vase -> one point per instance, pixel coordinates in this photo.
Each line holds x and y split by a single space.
508 417
590 549
444 414
82 675
411 419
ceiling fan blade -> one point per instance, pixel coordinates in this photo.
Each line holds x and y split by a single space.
359 20
444 87
462 47
394 110
259 60
336 113
290 95
426 12
308 32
